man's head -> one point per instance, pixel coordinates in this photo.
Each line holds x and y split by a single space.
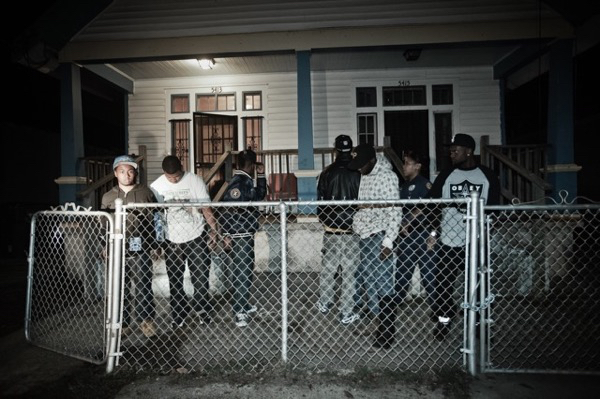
364 159
246 160
171 166
343 143
125 169
461 149
411 165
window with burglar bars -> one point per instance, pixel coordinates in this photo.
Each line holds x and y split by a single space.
180 135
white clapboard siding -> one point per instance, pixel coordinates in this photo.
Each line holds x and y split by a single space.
476 110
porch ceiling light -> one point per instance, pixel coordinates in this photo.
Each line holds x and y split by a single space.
206 63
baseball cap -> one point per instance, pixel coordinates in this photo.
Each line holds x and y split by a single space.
463 140
343 143
361 154
124 159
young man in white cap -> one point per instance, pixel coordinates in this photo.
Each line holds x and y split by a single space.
340 244
458 181
140 240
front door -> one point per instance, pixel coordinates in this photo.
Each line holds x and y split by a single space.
213 135
409 131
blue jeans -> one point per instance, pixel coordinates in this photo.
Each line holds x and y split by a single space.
242 267
373 276
412 250
198 258
139 298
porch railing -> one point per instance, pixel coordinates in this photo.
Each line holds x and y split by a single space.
520 168
280 165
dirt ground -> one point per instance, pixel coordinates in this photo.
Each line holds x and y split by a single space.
27 371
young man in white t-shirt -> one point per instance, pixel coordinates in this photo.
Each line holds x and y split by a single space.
186 238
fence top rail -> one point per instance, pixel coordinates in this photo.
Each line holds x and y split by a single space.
298 203
542 207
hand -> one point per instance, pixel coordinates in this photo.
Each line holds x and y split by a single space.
155 254
227 243
431 242
385 253
213 239
260 168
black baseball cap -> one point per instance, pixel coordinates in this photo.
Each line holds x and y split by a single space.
361 154
463 140
343 143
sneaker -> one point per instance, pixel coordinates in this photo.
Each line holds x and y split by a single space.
442 328
204 317
348 318
177 325
148 328
250 309
322 307
241 319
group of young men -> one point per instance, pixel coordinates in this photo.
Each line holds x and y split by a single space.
181 232
377 246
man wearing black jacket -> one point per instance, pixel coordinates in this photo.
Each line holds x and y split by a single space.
340 244
239 225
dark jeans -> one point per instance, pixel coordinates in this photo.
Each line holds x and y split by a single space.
242 268
412 251
198 260
138 293
452 260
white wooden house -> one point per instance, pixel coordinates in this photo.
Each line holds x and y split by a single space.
292 74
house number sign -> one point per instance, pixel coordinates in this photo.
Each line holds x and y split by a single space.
217 89
404 83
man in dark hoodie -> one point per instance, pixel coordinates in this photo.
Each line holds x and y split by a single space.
140 239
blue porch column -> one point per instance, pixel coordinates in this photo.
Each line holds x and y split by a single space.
307 187
561 156
71 121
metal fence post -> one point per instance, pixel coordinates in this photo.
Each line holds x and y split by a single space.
114 286
472 276
284 287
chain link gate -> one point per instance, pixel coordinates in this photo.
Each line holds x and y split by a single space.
69 264
544 287
194 315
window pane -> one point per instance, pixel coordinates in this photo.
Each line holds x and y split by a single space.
180 103
253 134
252 101
366 97
231 102
367 128
404 96
443 134
441 94
180 133
206 102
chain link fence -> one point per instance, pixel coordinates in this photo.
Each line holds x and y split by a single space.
544 279
279 287
290 285
67 282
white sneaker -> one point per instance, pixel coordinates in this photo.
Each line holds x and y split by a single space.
348 318
322 307
251 309
241 319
